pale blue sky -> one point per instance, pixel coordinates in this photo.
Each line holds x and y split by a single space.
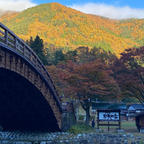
115 9
121 3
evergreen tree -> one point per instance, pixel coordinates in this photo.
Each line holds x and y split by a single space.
50 56
71 55
58 56
38 47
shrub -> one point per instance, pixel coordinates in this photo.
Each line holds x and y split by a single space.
80 128
81 117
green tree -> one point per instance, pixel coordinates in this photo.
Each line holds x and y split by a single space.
59 56
38 47
50 56
98 53
71 55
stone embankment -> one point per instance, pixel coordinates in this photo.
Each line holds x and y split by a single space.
67 138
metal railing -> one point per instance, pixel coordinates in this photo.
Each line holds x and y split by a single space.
9 39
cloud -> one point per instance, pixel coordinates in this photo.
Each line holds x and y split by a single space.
110 11
15 5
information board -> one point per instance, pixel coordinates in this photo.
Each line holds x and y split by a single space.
109 117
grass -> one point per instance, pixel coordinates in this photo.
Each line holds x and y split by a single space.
80 128
127 126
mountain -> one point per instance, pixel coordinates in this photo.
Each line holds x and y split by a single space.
6 13
1 12
63 27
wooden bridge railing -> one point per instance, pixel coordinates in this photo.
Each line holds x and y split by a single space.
9 39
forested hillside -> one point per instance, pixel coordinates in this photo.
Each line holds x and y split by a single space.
63 27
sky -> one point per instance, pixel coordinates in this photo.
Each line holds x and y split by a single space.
115 9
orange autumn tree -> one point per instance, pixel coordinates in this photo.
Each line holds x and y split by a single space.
87 81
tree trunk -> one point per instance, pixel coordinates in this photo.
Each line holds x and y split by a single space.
87 116
86 106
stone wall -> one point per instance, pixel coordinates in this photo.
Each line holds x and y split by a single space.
67 138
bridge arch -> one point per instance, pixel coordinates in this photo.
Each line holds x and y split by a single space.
16 57
22 105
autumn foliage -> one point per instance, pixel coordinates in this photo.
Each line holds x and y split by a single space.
101 77
63 27
85 79
129 73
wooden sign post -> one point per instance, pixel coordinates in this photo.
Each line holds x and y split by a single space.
108 116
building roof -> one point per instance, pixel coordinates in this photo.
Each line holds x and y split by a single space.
100 106
136 106
118 106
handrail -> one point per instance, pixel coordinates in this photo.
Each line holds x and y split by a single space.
8 38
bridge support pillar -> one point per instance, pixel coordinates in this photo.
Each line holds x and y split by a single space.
68 117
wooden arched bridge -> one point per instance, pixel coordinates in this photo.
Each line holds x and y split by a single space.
28 99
